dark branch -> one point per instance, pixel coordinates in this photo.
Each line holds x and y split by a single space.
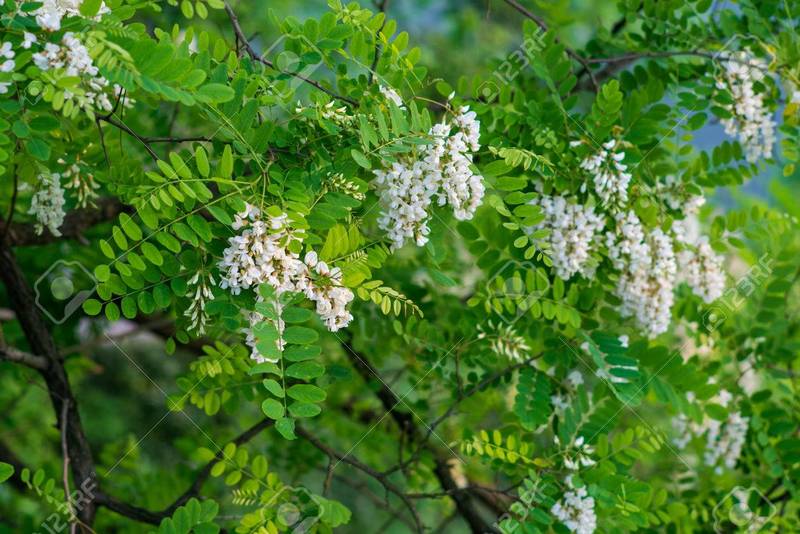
75 223
405 421
154 518
41 342
380 477
543 25
240 36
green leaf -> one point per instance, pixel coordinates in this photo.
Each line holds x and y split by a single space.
286 428
89 8
305 370
6 470
306 393
215 93
272 409
361 159
300 335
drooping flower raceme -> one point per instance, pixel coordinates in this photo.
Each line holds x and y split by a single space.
647 272
73 57
7 64
50 13
441 170
325 289
609 175
573 234
751 122
576 510
261 254
702 270
264 252
47 204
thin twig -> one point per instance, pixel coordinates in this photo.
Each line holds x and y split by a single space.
543 25
241 38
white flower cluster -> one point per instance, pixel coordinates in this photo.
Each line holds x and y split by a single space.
610 175
581 457
702 270
441 169
573 229
262 253
330 295
74 59
725 442
751 122
337 182
576 510
724 439
50 13
47 204
8 64
647 272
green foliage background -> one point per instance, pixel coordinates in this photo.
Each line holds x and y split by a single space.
414 394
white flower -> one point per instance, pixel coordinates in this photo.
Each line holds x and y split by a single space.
6 51
647 272
575 378
441 170
391 95
327 291
572 235
752 122
610 175
28 40
73 57
702 270
623 340
576 510
196 312
47 204
50 13
262 253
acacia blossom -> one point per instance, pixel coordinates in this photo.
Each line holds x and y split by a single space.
262 253
47 204
576 509
702 271
392 95
73 57
647 272
724 439
751 121
6 53
573 229
50 13
609 175
440 169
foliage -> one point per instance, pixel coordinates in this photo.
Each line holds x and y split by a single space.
290 274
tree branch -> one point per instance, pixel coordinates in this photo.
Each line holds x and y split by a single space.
380 477
55 376
405 421
543 25
15 355
242 38
154 518
75 223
